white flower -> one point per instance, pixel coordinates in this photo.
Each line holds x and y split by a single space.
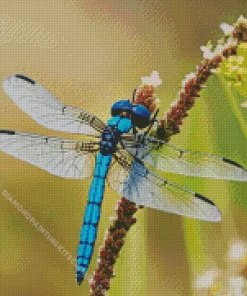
153 79
237 282
232 41
244 104
227 29
220 48
187 78
173 104
241 20
237 286
207 279
237 251
207 53
190 76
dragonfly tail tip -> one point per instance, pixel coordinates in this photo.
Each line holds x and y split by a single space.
79 281
80 278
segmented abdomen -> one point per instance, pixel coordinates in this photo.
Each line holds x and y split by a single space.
88 232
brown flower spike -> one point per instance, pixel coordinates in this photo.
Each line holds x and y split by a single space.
166 127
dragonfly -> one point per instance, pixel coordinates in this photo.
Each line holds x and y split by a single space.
121 152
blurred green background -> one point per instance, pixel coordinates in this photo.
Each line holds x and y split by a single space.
89 54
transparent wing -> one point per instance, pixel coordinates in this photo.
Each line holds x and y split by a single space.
60 157
169 158
47 110
135 182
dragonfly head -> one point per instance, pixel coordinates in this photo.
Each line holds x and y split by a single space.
139 114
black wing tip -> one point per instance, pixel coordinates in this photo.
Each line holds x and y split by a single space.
23 77
232 162
7 132
215 215
204 199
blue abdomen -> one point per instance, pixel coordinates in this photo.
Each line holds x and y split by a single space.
91 216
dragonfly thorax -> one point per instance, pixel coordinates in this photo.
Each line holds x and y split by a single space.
110 138
112 133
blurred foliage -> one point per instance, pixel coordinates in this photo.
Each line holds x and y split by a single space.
234 71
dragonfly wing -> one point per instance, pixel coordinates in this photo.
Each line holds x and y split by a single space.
169 158
47 110
60 157
139 185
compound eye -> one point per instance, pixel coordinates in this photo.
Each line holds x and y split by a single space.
120 106
140 116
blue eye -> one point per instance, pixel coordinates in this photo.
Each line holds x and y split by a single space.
120 106
140 116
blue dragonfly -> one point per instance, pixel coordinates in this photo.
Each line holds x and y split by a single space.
116 152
